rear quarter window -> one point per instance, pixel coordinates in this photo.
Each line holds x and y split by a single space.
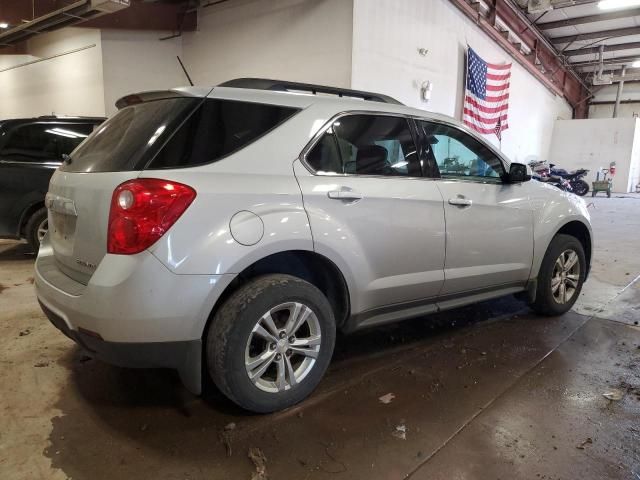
174 133
217 129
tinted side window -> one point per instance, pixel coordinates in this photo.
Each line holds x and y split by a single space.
324 157
37 142
216 129
367 145
460 155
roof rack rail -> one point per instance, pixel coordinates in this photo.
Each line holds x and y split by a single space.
285 86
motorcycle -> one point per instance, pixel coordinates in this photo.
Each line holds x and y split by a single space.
579 186
542 173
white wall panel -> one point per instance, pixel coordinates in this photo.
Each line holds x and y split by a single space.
66 85
608 93
626 110
300 40
136 61
594 143
386 37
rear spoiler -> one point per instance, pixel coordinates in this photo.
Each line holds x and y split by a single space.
141 97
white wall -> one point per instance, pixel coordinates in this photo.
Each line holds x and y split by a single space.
8 61
66 85
135 61
626 110
634 169
300 40
386 37
594 143
608 93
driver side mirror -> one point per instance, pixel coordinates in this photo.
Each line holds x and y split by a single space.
518 173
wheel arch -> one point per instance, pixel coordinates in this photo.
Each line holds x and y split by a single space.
582 233
308 265
26 215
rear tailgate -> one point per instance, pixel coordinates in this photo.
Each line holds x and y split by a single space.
78 205
81 190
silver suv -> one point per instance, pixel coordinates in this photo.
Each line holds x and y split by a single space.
228 233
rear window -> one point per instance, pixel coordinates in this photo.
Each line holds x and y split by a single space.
131 137
140 136
219 128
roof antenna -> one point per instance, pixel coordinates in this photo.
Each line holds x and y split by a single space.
184 70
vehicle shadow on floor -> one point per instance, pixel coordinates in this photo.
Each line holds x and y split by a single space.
101 384
151 414
11 250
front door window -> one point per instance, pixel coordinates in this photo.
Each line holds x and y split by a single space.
459 155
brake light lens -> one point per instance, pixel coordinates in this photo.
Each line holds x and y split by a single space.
142 210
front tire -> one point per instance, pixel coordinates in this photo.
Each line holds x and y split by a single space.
561 276
270 343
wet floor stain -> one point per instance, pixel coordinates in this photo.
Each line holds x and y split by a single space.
489 391
142 423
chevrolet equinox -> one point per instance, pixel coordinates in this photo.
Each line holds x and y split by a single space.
228 232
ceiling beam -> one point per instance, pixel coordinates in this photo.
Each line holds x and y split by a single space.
601 17
490 29
606 61
542 60
149 16
177 15
595 68
616 32
558 5
607 48
625 78
612 102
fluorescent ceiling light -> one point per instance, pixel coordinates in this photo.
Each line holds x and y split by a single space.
66 133
4 25
60 134
70 132
614 4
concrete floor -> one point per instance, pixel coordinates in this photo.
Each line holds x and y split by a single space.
485 392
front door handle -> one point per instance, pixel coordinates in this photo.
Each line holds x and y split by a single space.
460 202
344 195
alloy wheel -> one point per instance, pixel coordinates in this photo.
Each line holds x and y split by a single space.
43 228
283 347
566 276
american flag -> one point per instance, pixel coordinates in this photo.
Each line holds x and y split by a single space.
486 98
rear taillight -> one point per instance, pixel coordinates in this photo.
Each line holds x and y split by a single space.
142 210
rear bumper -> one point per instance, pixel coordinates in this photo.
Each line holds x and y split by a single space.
133 312
184 356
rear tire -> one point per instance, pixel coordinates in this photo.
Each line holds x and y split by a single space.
561 276
581 188
270 343
36 228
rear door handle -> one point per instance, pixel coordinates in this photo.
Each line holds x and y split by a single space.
344 195
460 202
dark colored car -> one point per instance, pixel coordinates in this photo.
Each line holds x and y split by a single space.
30 151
